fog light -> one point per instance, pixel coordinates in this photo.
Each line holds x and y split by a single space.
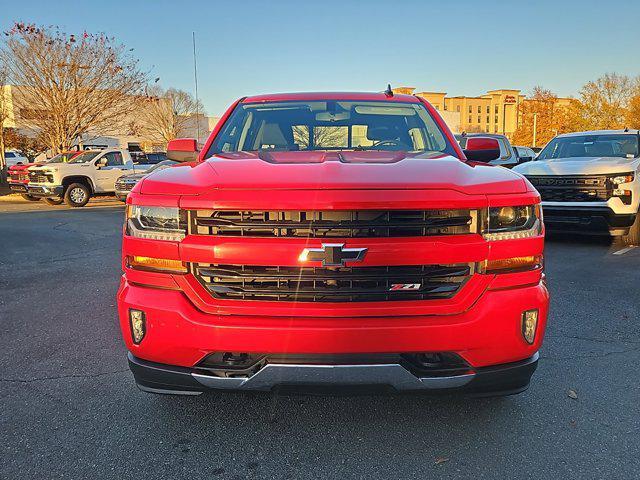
137 322
529 324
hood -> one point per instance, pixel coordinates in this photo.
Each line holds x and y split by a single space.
56 167
333 171
132 177
579 166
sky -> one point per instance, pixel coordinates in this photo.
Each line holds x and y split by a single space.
464 47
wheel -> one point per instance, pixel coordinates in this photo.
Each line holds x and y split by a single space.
30 198
77 195
633 237
53 201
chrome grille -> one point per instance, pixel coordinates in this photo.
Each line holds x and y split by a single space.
124 186
39 177
19 176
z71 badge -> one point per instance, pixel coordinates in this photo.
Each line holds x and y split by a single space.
405 286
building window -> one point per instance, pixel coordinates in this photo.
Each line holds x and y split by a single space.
496 109
479 119
470 109
495 119
488 110
469 118
487 120
445 106
479 109
458 108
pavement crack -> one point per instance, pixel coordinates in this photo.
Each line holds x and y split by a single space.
62 377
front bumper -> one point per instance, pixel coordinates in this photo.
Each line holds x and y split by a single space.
586 220
18 187
500 379
487 336
43 191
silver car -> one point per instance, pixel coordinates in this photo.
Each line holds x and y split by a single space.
125 183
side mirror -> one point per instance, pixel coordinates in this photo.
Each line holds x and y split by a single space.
525 159
482 149
182 150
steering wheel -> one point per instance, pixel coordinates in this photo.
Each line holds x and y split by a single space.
382 143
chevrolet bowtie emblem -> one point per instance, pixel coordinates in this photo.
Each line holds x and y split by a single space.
332 254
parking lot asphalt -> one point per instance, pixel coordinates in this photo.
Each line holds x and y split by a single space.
69 407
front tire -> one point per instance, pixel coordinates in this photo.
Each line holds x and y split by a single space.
633 237
53 201
30 198
77 195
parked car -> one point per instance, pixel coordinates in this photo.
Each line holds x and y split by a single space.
13 157
508 157
333 239
125 183
524 154
590 183
93 172
19 174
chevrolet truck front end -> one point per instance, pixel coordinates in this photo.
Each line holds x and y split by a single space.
405 290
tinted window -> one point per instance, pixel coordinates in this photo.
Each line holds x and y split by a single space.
329 125
154 158
9 155
114 159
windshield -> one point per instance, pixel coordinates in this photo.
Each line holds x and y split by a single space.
84 157
591 146
60 158
329 125
160 166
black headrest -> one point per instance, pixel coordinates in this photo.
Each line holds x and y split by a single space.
382 132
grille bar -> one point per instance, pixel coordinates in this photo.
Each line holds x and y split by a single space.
332 284
19 176
303 274
39 178
335 224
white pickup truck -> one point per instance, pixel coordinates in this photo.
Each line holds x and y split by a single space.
93 172
590 183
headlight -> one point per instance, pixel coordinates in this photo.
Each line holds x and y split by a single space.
156 223
620 179
508 223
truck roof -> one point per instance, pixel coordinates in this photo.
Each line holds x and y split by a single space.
601 132
319 96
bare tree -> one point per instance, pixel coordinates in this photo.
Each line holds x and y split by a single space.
169 114
323 136
70 85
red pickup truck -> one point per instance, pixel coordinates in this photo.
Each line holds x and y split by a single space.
19 176
338 240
